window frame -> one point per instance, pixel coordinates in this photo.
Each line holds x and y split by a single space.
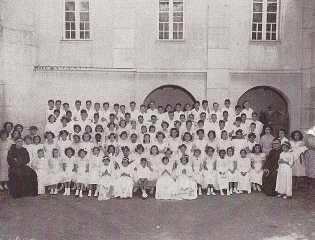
171 22
77 21
264 22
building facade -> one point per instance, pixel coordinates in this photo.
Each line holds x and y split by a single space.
124 50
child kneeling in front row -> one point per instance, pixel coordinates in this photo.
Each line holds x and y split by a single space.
106 180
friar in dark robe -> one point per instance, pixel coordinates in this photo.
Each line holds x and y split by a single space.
22 179
271 167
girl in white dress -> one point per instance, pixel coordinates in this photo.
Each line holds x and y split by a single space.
224 142
63 142
94 165
284 176
86 144
55 171
52 125
152 132
212 141
197 166
123 141
187 140
133 142
5 145
160 142
234 173
124 183
81 168
185 181
244 166
209 172
165 185
154 158
112 156
298 148
49 144
147 143
239 142
68 167
258 159
40 165
174 140
106 180
35 147
200 142
223 173
111 140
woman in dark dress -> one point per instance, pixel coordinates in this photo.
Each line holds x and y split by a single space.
271 167
22 179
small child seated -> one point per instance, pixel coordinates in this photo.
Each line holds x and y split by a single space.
143 173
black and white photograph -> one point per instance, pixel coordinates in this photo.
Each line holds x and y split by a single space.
157 119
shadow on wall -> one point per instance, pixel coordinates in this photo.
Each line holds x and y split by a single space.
271 106
170 94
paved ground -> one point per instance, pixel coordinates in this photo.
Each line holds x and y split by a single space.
253 216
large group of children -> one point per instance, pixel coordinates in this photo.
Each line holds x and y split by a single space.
175 152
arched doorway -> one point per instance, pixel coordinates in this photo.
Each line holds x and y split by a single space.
271 105
169 94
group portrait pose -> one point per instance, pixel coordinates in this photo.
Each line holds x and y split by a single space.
169 152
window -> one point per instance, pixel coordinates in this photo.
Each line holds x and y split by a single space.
171 19
77 20
265 23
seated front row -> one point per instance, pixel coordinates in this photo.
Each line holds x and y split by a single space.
172 179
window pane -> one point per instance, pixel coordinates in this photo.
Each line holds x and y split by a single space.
271 0
81 34
175 27
180 27
254 27
271 17
67 35
164 17
254 36
67 26
274 36
272 7
180 35
87 35
81 26
72 35
166 35
70 6
84 16
268 27
164 6
174 35
70 16
257 17
178 7
267 36
259 27
257 7
274 27
166 26
178 17
259 36
84 6
72 26
160 26
87 26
